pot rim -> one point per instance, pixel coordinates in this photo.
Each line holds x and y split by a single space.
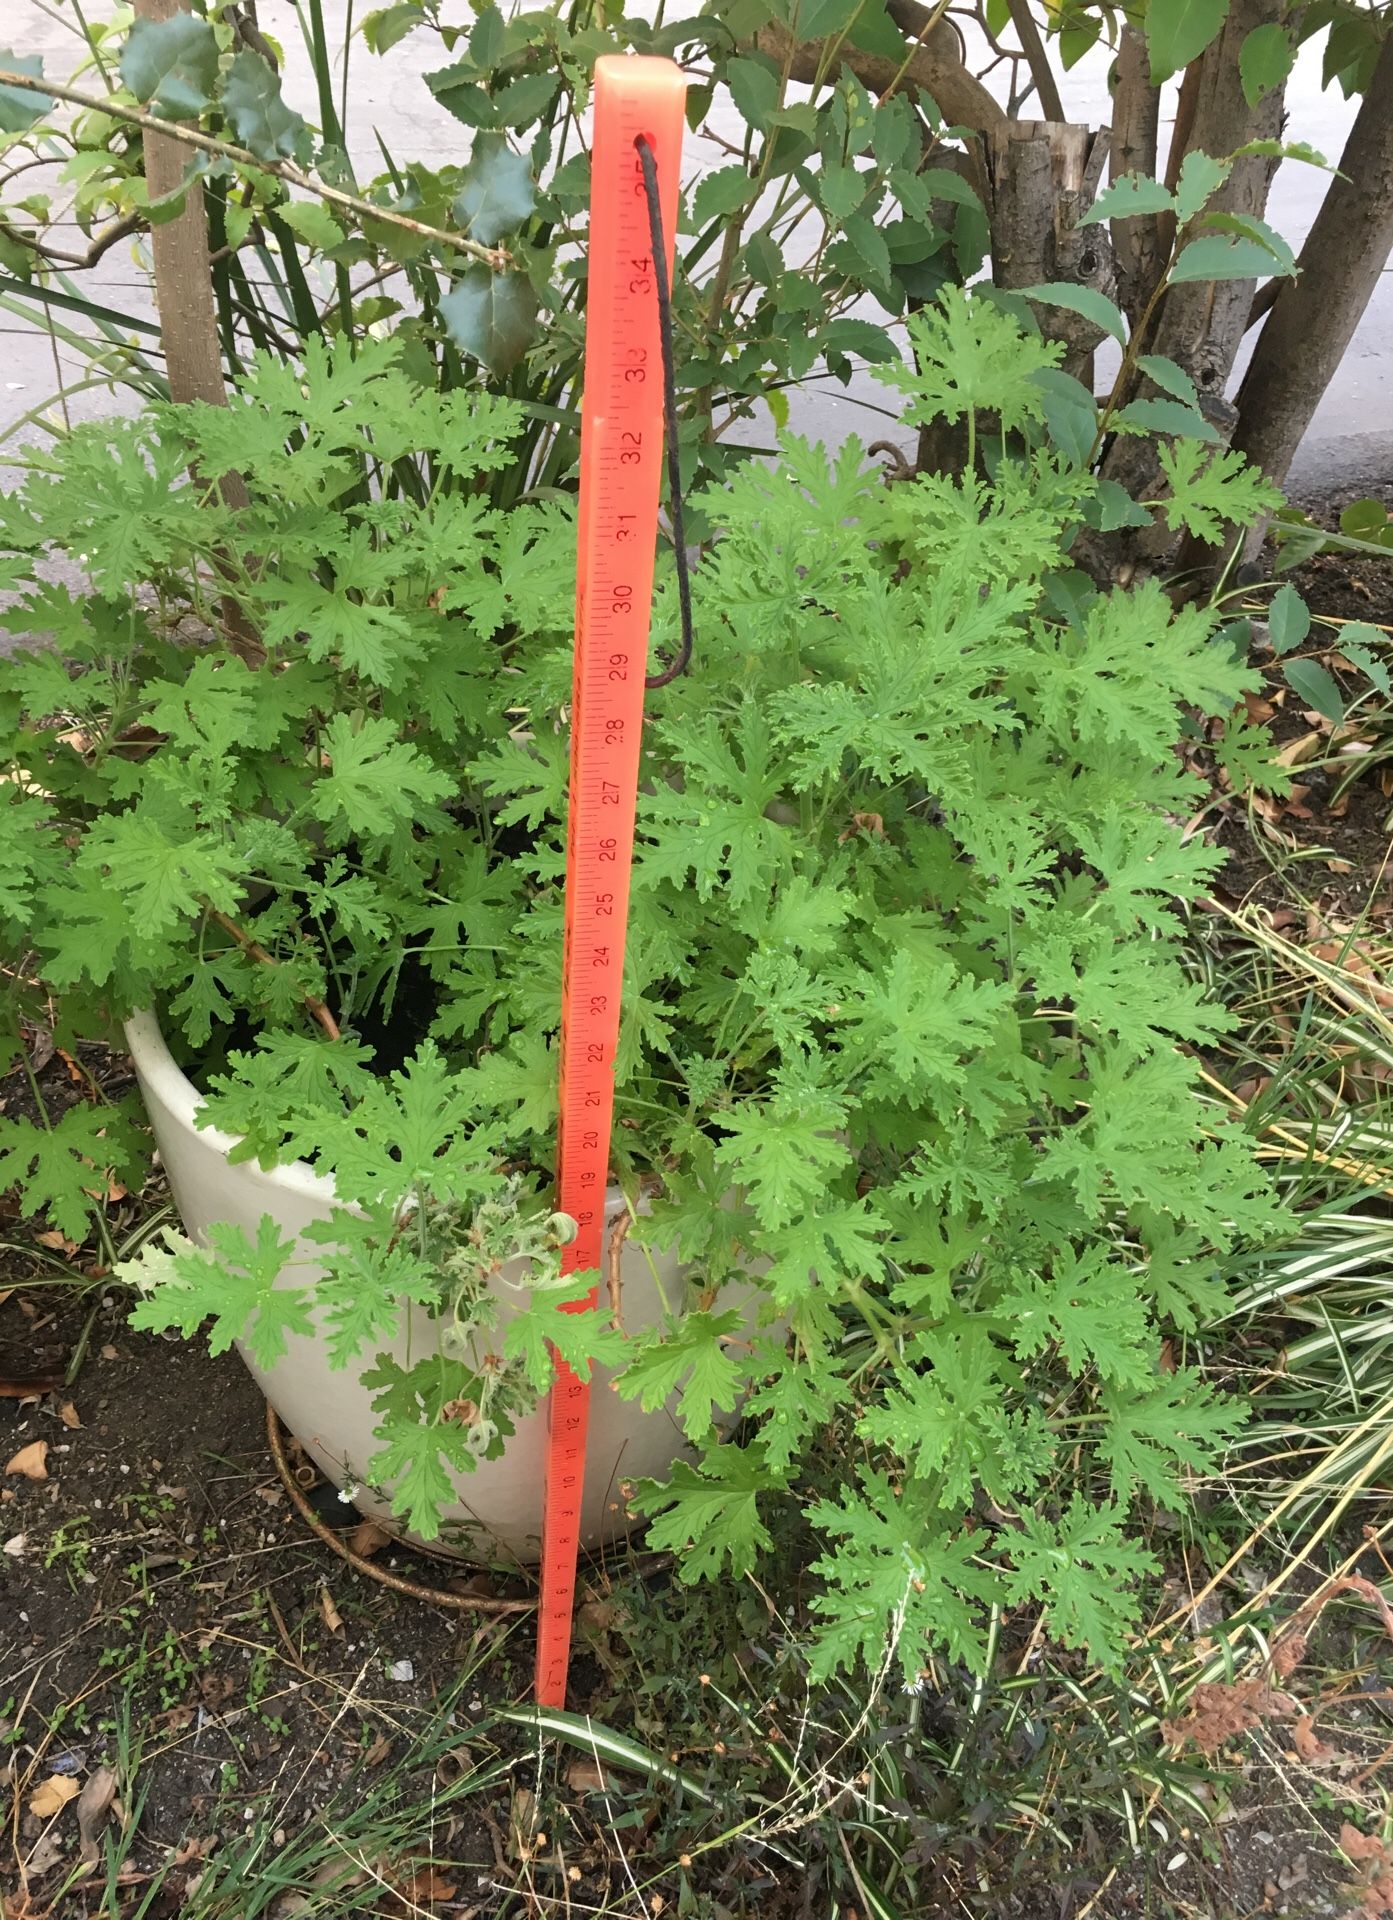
173 1088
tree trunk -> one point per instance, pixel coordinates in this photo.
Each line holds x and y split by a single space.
1202 323
936 65
188 318
1136 243
1314 316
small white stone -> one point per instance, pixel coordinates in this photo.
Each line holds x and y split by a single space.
401 1670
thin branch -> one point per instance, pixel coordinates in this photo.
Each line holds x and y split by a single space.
1037 59
255 951
498 258
102 243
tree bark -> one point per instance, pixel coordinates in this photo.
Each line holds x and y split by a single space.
1136 243
936 65
1202 323
188 317
1314 316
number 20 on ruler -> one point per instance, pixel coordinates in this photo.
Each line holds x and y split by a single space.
621 459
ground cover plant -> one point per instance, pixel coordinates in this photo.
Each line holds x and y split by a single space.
904 985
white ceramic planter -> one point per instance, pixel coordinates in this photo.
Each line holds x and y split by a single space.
498 1514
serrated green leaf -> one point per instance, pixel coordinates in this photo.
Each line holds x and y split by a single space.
172 63
1220 256
492 317
754 88
497 191
1150 415
256 112
1125 199
19 108
710 1516
721 193
1201 176
1178 31
693 1356
1172 379
1086 301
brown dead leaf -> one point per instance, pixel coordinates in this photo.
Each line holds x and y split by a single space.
524 1840
378 1751
44 1855
1307 1743
31 1461
214 1688
1295 752
367 1538
426 1887
333 1620
58 1241
52 1795
94 1805
1222 1710
68 1414
587 1776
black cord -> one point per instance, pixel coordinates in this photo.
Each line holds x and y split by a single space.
649 162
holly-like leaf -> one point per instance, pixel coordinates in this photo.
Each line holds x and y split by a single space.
497 191
19 108
256 112
492 317
172 63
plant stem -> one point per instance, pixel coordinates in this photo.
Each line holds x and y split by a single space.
498 258
254 951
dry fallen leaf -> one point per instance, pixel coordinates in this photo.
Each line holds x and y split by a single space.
30 1461
53 1795
367 1538
68 1414
58 1241
333 1620
586 1776
16 1546
94 1806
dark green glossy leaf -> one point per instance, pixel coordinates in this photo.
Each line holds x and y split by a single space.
18 107
1314 687
1071 414
1288 620
458 90
172 63
258 116
497 191
492 317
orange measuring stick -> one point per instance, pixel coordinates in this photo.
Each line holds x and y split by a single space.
621 458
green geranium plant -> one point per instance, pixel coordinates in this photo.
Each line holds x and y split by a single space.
910 1039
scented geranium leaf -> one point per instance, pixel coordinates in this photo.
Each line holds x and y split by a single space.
258 116
1154 1438
173 63
1137 993
412 1128
370 640
917 1020
716 825
947 1419
1089 1304
971 357
277 1098
692 1355
166 872
1209 488
709 1515
827 1243
519 1083
793 1401
232 1282
783 1151
898 1584
370 1268
807 916
559 1317
61 1170
1144 864
416 1462
1085 1572
374 782
530 776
